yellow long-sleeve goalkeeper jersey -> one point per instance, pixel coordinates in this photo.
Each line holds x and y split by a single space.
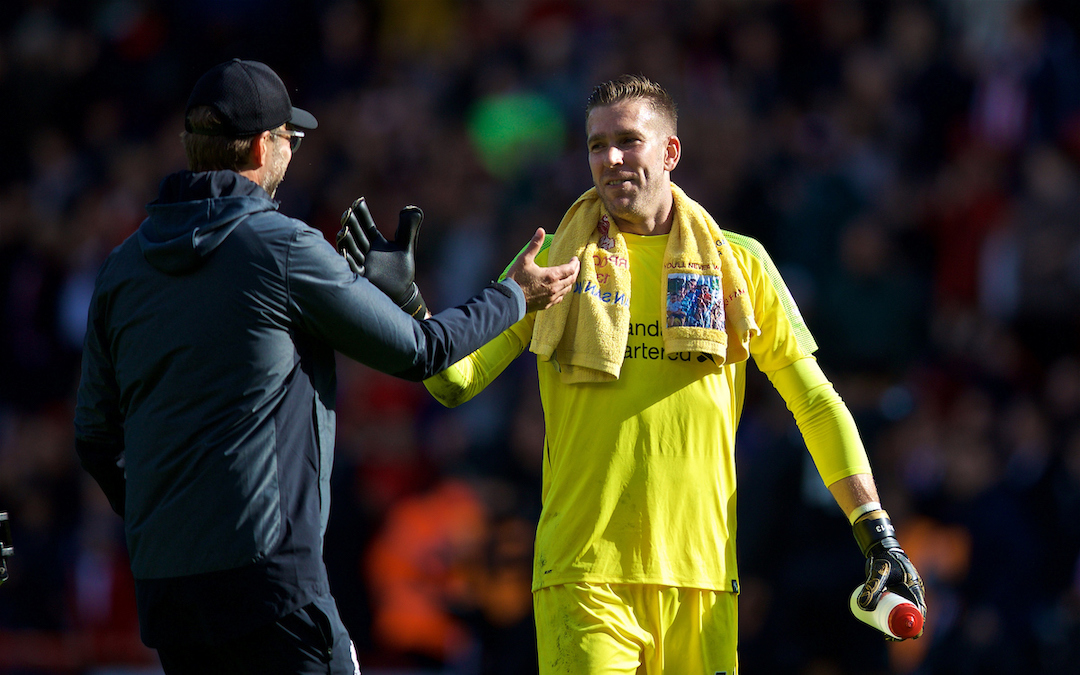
639 473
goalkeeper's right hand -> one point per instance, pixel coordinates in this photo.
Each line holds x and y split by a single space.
387 264
887 565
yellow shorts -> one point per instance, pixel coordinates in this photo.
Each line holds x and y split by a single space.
628 629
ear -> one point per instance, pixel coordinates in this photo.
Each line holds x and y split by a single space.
672 153
260 150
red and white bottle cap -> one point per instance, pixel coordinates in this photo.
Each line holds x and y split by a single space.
905 620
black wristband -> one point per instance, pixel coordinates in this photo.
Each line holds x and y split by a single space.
874 530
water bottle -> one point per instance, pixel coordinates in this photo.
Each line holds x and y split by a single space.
896 616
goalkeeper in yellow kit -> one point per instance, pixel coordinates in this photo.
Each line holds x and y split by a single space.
641 374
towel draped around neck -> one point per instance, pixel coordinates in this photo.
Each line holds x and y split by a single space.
705 304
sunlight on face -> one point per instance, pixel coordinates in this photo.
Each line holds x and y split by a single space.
631 152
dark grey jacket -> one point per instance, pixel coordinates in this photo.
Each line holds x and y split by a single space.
208 379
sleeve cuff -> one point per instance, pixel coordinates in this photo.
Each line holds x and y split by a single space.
510 289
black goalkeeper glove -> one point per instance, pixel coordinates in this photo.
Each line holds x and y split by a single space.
887 566
6 549
387 264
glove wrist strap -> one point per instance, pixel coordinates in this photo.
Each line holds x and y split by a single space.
873 528
413 303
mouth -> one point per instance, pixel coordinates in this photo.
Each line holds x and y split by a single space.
619 182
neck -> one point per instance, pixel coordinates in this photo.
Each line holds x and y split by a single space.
259 177
659 223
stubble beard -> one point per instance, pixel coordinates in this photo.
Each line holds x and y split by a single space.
276 173
633 207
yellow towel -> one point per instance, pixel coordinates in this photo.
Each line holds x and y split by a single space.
706 302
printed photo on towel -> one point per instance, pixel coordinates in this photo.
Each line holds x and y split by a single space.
695 300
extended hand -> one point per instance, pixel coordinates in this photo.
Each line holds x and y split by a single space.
887 565
543 286
387 264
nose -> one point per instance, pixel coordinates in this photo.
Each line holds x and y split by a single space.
613 156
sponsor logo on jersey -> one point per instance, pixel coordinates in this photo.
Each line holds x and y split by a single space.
654 353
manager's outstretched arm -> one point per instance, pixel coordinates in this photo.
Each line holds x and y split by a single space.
390 267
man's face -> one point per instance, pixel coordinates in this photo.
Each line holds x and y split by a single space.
631 151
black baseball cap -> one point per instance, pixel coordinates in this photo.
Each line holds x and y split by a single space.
249 97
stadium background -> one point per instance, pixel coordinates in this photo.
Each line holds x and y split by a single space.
911 165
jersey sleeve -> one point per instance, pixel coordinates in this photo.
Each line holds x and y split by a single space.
469 376
823 418
784 337
784 352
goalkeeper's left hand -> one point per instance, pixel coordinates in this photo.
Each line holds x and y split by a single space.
887 566
387 264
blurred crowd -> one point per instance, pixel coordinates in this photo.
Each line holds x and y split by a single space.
912 166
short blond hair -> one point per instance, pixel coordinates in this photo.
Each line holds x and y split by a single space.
629 87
